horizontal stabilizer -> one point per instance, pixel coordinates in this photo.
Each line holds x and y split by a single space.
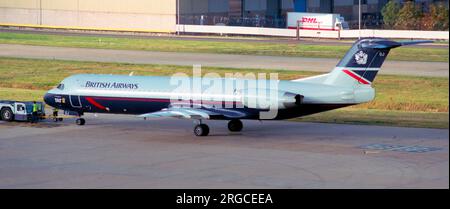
361 63
388 44
405 43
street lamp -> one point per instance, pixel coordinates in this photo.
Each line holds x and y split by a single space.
178 17
359 19
40 12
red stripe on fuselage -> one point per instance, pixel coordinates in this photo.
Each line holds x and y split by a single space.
353 75
93 102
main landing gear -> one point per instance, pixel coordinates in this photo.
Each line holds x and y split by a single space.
235 125
201 129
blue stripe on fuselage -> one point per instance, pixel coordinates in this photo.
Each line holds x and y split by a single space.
367 74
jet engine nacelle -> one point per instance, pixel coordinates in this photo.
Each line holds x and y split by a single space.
269 99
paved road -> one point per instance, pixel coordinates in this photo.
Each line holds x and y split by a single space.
124 152
437 69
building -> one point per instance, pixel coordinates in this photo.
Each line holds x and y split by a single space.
161 15
272 13
147 15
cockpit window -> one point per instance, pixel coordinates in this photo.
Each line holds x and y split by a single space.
60 86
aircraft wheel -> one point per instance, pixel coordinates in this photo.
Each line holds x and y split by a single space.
7 114
81 121
201 130
235 125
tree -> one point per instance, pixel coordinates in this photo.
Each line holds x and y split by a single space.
390 14
409 17
427 21
439 17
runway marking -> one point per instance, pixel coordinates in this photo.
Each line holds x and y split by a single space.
400 148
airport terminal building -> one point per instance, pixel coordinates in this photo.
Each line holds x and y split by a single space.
162 15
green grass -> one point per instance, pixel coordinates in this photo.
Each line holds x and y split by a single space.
208 46
21 94
400 100
381 117
410 93
45 74
404 93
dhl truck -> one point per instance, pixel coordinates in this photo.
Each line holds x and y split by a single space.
316 21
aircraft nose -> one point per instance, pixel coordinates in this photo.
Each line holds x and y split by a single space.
48 99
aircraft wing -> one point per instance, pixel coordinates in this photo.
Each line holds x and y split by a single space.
196 113
187 113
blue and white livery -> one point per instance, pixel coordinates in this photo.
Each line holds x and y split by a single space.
349 83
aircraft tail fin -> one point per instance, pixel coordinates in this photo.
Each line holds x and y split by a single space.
361 63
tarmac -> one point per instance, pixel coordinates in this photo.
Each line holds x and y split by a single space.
118 151
433 69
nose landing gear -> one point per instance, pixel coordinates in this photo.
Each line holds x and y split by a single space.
80 121
201 130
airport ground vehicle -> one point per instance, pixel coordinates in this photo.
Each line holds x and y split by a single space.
20 111
316 21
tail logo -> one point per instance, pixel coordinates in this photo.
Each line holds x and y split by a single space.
361 58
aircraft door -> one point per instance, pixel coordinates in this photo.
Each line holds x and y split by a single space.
75 101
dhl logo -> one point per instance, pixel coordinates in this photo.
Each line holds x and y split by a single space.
309 19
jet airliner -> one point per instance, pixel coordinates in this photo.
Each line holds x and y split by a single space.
349 83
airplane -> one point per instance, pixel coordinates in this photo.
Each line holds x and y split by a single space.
349 83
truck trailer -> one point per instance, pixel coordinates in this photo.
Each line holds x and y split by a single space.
316 21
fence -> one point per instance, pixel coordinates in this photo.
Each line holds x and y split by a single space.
368 21
252 21
257 31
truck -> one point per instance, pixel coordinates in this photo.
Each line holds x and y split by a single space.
316 21
20 111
